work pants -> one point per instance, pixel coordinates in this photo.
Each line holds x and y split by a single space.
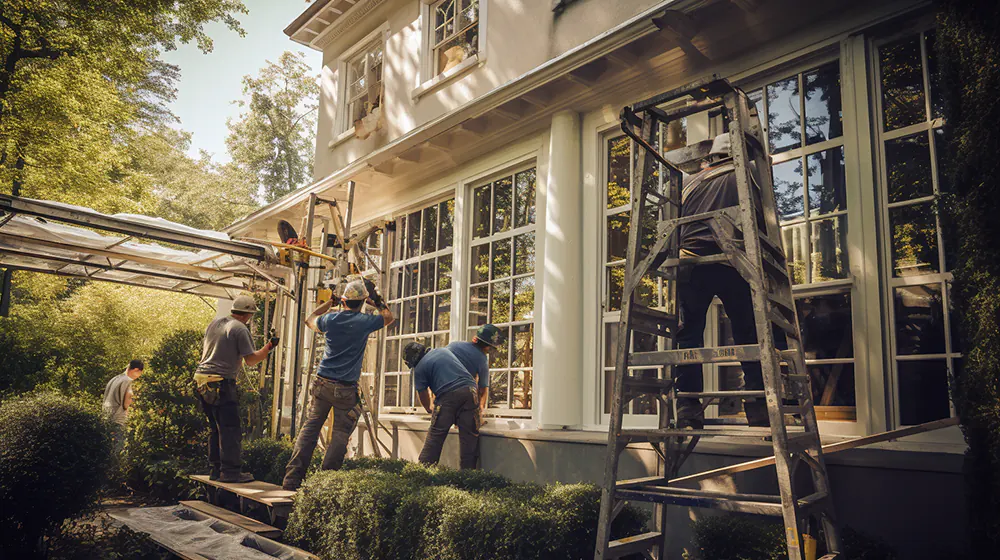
224 436
327 395
694 296
459 407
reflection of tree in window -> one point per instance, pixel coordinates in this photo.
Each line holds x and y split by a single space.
902 83
456 33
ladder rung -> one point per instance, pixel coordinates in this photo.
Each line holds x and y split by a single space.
674 223
722 395
643 481
632 545
669 496
800 442
652 321
691 261
649 384
743 353
656 434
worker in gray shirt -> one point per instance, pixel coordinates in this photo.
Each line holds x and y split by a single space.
118 397
227 345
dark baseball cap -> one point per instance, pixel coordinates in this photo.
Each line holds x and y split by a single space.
488 334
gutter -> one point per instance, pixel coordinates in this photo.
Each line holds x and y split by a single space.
627 32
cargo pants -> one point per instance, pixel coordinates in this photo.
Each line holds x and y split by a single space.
327 395
225 437
460 408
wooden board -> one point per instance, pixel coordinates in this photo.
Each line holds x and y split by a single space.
257 491
241 521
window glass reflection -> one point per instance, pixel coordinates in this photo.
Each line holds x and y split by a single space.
923 391
914 239
829 255
908 167
919 312
826 327
783 123
827 181
902 83
823 110
788 189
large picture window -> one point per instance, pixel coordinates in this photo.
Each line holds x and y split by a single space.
924 345
419 294
502 283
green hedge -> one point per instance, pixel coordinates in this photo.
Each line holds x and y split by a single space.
390 509
55 454
266 459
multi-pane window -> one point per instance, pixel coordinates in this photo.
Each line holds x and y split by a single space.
924 343
455 28
419 293
502 282
364 83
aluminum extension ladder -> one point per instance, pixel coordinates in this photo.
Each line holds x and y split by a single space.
759 258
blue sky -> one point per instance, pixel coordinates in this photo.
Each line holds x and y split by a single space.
211 82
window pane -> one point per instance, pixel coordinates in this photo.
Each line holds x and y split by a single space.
524 198
914 239
444 273
463 46
500 302
524 253
616 286
524 346
788 189
427 274
405 392
409 316
923 391
502 201
937 103
390 394
412 279
610 343
647 292
524 298
480 263
498 356
823 108
481 212
644 404
393 329
829 254
827 181
469 12
498 390
618 236
730 379
521 393
783 122
392 355
832 384
618 172
501 259
902 83
609 377
426 314
429 237
796 245
399 240
642 342
919 319
395 283
908 167
442 313
444 20
413 235
956 327
825 322
441 340
446 211
479 299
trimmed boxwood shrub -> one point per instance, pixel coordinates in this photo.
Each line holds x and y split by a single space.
266 459
90 539
399 510
55 454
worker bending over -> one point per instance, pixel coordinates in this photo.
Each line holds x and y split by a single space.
714 188
227 345
336 384
458 376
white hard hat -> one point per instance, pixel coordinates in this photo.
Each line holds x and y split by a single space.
721 145
244 304
355 290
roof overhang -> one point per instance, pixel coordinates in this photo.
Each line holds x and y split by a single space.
325 20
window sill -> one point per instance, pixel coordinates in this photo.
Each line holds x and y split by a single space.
341 138
445 77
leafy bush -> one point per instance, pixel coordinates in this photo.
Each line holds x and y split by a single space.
167 432
55 453
393 509
732 537
90 539
267 458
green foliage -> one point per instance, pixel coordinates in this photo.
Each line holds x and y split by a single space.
273 140
167 433
393 509
968 54
55 453
87 539
732 537
267 458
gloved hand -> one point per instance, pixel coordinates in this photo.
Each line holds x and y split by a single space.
373 293
274 342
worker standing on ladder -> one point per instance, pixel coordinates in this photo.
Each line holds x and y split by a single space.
336 384
714 188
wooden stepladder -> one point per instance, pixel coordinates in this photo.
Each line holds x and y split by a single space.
753 247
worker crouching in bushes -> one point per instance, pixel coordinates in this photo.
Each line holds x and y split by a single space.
227 344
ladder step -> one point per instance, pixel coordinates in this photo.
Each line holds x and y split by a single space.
632 545
722 395
655 434
648 384
691 261
743 353
761 504
653 321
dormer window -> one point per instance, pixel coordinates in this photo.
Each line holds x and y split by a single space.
456 33
361 86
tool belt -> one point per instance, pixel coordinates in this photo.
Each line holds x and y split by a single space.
208 386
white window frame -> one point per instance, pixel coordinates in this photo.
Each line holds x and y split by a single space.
343 127
428 79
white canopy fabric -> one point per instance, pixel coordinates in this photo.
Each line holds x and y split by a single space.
29 241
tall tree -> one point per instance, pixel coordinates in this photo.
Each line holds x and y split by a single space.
273 139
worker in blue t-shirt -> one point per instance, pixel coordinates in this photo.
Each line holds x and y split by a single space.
458 376
336 383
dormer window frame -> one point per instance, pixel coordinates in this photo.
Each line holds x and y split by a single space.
430 77
344 126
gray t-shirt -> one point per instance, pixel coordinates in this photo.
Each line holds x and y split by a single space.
226 342
114 398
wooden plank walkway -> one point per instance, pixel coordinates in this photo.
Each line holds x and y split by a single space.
241 521
277 501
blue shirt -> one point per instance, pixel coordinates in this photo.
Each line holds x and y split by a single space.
346 337
442 371
474 361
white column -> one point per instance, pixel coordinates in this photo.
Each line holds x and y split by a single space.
558 351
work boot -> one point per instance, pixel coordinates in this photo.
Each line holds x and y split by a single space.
690 414
214 475
236 478
291 486
757 413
